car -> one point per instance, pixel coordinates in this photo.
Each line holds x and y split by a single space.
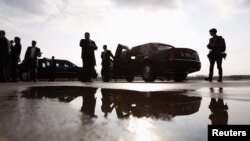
154 61
64 69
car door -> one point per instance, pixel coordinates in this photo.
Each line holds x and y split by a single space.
42 68
121 61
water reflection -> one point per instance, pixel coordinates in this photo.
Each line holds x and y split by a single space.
160 104
124 103
219 114
65 94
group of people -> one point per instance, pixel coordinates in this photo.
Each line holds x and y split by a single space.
10 56
88 59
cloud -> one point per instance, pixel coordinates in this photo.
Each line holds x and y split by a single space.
57 14
229 8
32 6
148 3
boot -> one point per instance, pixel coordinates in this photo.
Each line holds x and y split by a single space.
209 79
220 79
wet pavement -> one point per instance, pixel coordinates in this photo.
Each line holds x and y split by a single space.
75 111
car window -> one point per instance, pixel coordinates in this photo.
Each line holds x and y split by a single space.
43 65
159 47
68 65
60 64
144 49
123 54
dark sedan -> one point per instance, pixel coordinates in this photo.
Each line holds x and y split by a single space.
155 60
64 69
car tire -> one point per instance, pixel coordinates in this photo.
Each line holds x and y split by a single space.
180 77
130 78
148 73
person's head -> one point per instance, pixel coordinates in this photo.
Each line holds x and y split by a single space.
213 32
87 35
17 40
53 57
2 33
105 47
33 43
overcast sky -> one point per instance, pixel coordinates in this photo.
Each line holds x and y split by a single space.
58 26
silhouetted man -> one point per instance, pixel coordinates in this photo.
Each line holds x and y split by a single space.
219 114
88 57
217 48
107 101
106 61
15 52
52 69
31 57
4 56
89 102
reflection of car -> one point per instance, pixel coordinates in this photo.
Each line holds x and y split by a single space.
125 103
159 104
64 69
155 60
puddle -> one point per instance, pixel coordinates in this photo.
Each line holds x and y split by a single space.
86 113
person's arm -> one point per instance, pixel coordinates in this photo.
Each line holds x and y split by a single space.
111 55
210 45
27 53
102 55
19 50
94 47
39 54
81 43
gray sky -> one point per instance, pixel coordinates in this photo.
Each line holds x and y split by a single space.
58 26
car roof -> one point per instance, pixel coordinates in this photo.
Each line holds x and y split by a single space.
61 60
153 44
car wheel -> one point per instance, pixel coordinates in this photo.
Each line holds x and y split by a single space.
130 78
180 77
148 73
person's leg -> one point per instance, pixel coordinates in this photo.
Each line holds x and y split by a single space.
33 70
2 77
13 70
219 66
211 71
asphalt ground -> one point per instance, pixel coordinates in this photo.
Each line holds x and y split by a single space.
119 111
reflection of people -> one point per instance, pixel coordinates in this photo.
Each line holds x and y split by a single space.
217 48
4 56
106 61
107 102
15 58
31 55
219 114
89 102
52 69
88 57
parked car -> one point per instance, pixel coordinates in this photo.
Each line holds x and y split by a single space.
64 69
154 61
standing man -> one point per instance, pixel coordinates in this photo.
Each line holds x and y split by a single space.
88 57
217 49
52 69
15 52
106 61
4 56
31 55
